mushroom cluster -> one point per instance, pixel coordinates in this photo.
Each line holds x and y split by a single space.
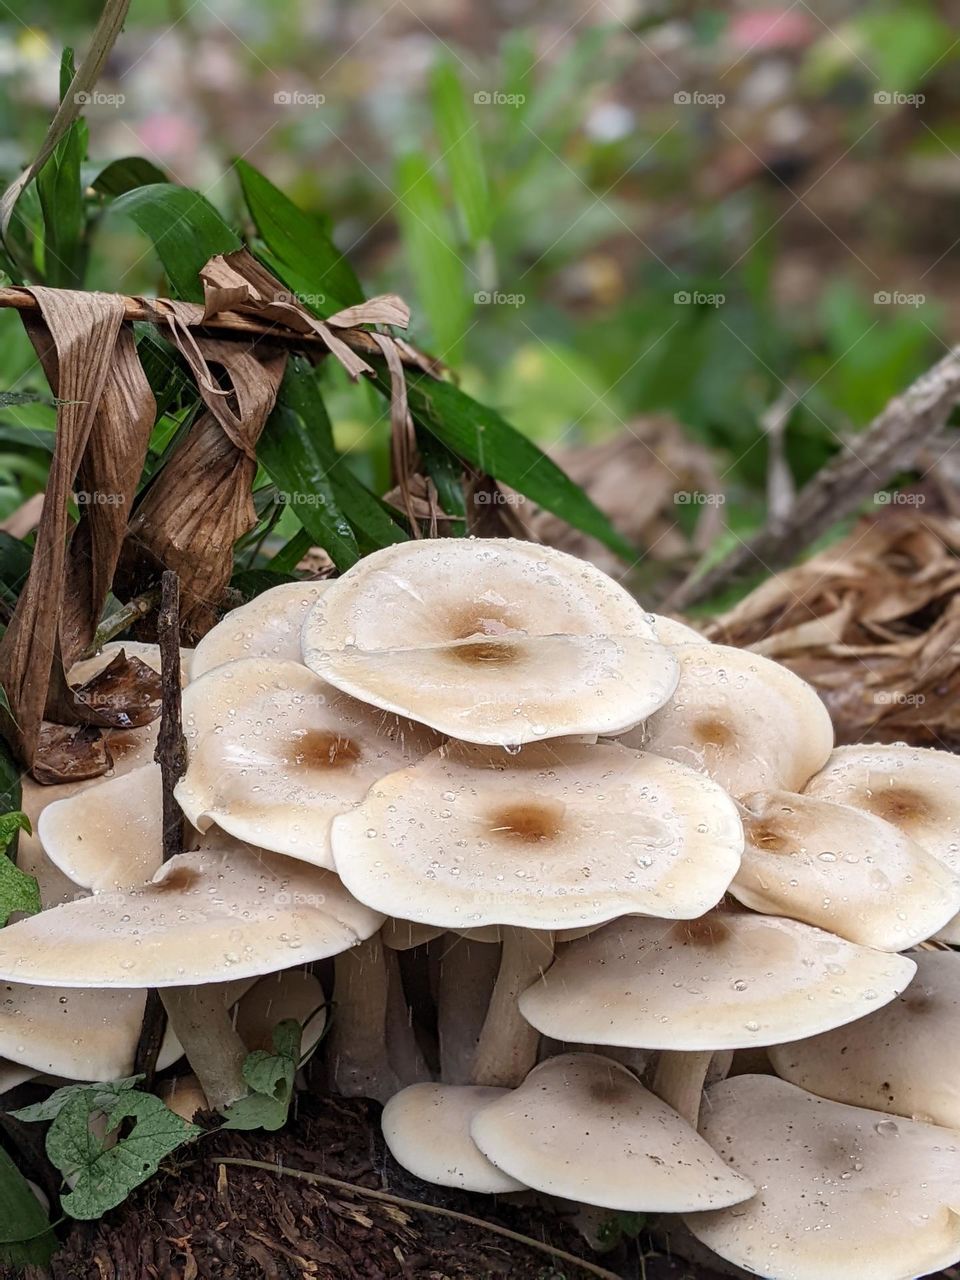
608 916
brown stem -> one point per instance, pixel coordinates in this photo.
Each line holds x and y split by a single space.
507 1050
124 617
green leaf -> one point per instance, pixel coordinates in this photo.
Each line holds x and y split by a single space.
64 218
100 1097
25 1235
430 242
297 451
10 399
492 445
462 155
300 241
106 1176
291 553
446 472
289 454
270 1077
18 891
123 175
185 229
11 790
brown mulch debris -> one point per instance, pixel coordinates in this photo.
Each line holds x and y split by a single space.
197 1220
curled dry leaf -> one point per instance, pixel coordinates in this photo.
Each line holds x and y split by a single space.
68 754
873 622
104 415
124 695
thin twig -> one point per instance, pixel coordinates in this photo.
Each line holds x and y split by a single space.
868 462
124 617
171 755
417 1206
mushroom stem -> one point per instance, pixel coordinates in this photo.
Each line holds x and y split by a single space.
203 1025
679 1079
403 1048
507 1050
357 1049
468 974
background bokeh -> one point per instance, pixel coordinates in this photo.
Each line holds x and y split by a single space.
746 217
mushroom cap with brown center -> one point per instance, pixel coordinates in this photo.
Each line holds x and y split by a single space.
842 869
727 981
427 1129
844 1193
747 722
268 626
554 836
914 788
902 1058
211 916
583 1127
491 640
274 754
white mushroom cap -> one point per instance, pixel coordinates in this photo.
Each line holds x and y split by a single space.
901 1059
78 1033
555 836
109 836
490 640
727 981
275 754
205 917
915 788
747 722
404 935
842 869
277 997
845 1194
583 1127
266 627
672 631
427 1129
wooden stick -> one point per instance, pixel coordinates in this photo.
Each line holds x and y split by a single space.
417 1206
867 462
171 755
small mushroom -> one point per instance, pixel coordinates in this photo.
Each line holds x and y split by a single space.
583 1127
747 722
77 1033
901 1059
844 1193
275 754
490 640
427 1129
268 626
729 980
184 1096
914 788
292 994
555 836
842 869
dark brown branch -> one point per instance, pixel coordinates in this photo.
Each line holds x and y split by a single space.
171 755
868 462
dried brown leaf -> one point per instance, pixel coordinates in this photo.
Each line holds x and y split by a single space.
66 754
